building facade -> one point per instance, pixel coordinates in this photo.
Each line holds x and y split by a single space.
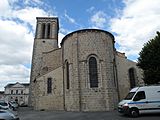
2 96
85 74
18 92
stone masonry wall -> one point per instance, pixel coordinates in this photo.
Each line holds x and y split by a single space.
42 45
72 94
54 100
123 65
51 60
78 47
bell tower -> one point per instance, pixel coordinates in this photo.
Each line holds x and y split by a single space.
47 30
46 39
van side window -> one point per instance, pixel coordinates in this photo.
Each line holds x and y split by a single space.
139 96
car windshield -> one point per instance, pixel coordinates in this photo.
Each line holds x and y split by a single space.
130 96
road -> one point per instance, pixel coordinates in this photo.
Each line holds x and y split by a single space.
29 114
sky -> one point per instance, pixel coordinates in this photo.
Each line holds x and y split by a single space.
132 22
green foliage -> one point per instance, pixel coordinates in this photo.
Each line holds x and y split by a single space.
149 60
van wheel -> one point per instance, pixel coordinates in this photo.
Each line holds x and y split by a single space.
134 112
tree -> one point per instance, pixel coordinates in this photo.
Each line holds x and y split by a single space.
149 60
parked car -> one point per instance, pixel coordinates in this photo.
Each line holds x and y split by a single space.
141 100
13 105
4 105
8 115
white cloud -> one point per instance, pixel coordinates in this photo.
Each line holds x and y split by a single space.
33 2
13 74
70 19
60 37
91 9
17 27
98 20
5 8
138 23
16 41
26 16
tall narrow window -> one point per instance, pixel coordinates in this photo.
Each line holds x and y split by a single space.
67 74
21 91
43 30
48 30
16 91
93 75
11 91
132 77
49 85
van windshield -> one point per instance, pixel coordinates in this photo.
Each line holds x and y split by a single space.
129 96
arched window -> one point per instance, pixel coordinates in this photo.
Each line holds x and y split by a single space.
93 75
132 77
49 85
67 75
43 30
48 30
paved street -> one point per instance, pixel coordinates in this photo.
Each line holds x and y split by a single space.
28 114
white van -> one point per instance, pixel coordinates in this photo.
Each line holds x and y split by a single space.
139 100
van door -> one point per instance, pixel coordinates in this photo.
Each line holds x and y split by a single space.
141 102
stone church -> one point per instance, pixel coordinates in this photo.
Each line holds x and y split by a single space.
85 74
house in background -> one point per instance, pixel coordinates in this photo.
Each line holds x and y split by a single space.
17 92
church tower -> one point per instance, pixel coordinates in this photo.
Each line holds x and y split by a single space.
46 39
